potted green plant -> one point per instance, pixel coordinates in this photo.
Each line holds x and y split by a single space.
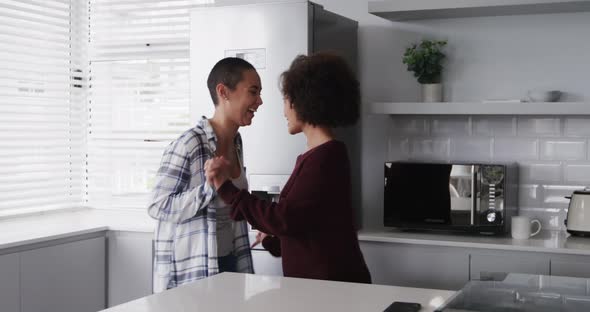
425 60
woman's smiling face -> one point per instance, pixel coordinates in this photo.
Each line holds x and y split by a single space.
242 103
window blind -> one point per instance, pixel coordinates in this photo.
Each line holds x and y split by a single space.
138 95
42 89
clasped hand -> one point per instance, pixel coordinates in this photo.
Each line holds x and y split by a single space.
217 171
259 238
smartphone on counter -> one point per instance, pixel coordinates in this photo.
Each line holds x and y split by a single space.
399 306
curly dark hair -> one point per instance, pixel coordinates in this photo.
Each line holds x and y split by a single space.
323 90
227 71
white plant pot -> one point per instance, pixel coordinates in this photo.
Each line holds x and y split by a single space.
432 92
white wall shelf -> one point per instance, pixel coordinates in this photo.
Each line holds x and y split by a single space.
480 108
403 10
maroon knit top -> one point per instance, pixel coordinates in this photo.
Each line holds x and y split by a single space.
313 222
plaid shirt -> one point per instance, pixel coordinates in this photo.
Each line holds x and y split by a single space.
185 247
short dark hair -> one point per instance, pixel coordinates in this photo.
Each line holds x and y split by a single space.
323 90
227 71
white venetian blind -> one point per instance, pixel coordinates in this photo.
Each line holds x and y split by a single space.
42 89
139 95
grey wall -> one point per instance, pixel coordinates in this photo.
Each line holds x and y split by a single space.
381 44
489 58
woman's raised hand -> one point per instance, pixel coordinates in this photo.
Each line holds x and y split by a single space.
217 171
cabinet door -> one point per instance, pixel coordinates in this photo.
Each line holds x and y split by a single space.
266 264
9 283
485 264
130 266
573 266
66 278
416 265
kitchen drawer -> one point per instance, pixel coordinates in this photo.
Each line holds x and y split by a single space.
416 265
483 264
573 266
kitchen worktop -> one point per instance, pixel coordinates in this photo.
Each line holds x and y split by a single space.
259 293
546 241
19 231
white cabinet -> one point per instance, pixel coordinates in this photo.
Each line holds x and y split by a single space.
266 264
574 266
130 266
485 263
416 265
401 10
481 108
67 278
9 283
430 266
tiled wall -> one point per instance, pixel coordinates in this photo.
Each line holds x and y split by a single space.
488 58
552 153
503 57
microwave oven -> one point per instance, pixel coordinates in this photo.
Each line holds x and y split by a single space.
478 198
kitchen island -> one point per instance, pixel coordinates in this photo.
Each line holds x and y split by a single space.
247 292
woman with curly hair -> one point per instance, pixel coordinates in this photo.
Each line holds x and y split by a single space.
312 225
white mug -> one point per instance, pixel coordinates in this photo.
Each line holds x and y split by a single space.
521 227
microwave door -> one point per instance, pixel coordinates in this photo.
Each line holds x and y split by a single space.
417 195
475 187
462 188
435 205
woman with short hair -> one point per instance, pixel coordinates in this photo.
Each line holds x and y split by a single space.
195 236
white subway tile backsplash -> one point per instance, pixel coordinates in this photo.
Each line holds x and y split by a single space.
551 219
398 149
554 195
471 149
577 174
540 172
552 153
530 195
454 125
528 126
560 149
404 125
436 149
577 127
494 126
515 149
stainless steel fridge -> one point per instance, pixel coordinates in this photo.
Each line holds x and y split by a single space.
269 35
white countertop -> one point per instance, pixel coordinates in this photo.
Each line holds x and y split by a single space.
547 241
258 293
18 231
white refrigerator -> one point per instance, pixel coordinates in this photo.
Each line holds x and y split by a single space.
268 35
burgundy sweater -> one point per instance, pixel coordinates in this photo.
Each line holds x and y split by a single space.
312 223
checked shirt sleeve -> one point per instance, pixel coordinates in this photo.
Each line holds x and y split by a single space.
174 199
